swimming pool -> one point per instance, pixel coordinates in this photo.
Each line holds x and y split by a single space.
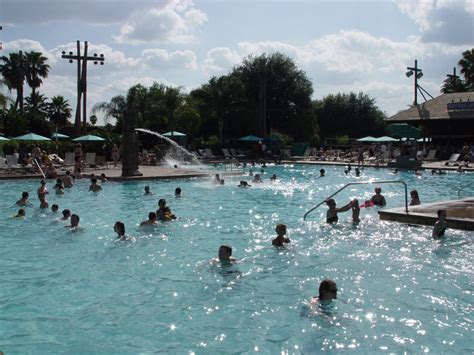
85 292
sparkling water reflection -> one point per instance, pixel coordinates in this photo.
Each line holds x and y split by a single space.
399 290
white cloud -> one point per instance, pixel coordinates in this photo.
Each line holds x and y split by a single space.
220 60
161 59
27 45
175 23
447 21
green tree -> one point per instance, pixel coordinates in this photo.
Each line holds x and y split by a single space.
451 85
59 111
280 94
36 69
3 97
112 110
352 114
13 71
36 112
467 68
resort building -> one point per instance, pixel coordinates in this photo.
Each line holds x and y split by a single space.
447 119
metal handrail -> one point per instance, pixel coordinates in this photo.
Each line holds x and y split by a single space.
360 183
39 167
462 188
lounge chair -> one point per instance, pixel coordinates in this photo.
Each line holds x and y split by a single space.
90 160
305 155
226 153
69 159
101 161
453 159
236 154
209 153
431 155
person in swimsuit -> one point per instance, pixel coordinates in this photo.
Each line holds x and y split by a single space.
66 214
24 199
281 239
54 208
163 212
148 191
119 228
67 179
225 255
378 199
21 213
327 293
94 186
440 225
151 220
331 214
415 199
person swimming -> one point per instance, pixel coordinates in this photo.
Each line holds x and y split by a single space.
59 187
273 178
94 186
74 223
148 191
225 255
355 211
66 215
257 179
378 199
119 228
151 221
331 214
440 225
67 179
244 184
163 212
281 238
327 293
54 208
21 213
415 199
24 201
177 192
103 178
322 173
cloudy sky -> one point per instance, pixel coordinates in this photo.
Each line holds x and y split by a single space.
342 45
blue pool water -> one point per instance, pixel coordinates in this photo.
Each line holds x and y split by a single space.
85 292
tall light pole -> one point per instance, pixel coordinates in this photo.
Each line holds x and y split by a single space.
418 74
82 81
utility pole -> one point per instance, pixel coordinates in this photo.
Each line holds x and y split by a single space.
82 82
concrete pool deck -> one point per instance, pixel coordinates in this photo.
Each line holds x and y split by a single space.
460 214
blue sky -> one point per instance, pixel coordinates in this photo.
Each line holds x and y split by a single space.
342 45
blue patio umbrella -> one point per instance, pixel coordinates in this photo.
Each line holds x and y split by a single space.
250 138
88 138
31 137
386 139
367 139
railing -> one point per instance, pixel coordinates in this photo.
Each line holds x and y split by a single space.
39 168
462 188
361 183
232 162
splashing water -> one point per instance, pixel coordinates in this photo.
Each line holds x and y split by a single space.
177 152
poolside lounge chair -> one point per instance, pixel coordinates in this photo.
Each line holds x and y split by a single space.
69 159
431 155
236 154
90 160
226 153
209 153
453 159
305 155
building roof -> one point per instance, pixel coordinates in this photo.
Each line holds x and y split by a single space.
447 106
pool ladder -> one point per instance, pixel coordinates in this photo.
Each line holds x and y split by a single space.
361 183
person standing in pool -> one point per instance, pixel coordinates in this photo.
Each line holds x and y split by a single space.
225 255
322 173
331 214
119 228
151 221
94 186
42 190
440 225
163 212
415 200
327 293
148 191
67 179
281 238
23 201
74 223
66 214
177 191
378 199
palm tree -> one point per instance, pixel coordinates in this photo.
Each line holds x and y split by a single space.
3 97
59 111
467 68
13 71
36 68
172 101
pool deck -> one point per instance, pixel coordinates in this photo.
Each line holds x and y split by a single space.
460 214
148 173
